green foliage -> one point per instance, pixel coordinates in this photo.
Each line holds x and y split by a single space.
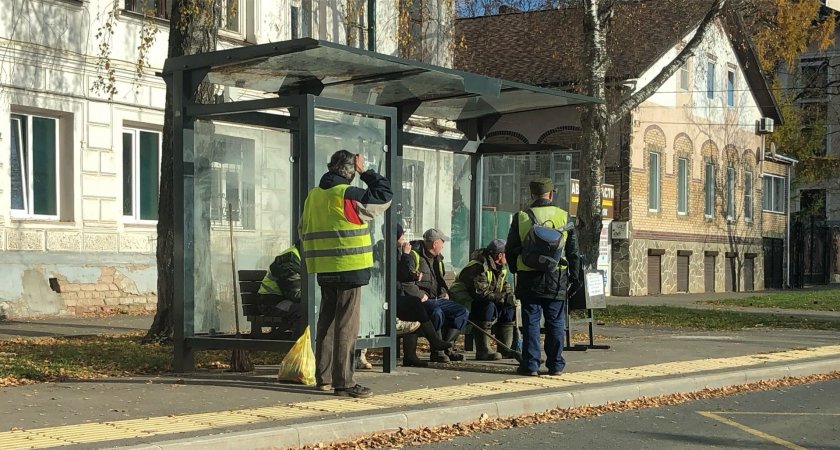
822 300
702 319
60 359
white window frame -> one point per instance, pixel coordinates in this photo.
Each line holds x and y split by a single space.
654 186
711 67
683 185
748 195
709 190
240 19
731 83
771 193
684 81
134 217
29 205
218 189
730 193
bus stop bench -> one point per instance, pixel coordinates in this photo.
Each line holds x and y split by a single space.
259 313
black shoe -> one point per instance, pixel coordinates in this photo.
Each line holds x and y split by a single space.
555 372
526 372
414 362
455 356
357 391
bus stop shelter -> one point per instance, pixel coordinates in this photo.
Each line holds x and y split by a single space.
287 107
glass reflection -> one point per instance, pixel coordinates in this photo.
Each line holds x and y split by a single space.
335 130
250 169
436 194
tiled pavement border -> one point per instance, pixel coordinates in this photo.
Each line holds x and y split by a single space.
533 395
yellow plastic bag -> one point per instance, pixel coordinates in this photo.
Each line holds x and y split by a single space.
299 364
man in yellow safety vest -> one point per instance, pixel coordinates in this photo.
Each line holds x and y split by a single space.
337 246
542 291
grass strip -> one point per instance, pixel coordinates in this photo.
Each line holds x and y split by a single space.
701 319
817 300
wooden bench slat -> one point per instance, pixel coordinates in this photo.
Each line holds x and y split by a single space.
251 275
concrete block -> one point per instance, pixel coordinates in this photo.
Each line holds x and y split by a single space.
534 404
451 414
655 388
814 367
718 380
99 242
64 240
279 438
603 395
90 160
766 373
349 428
25 240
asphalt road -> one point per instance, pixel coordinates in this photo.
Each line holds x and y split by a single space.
798 417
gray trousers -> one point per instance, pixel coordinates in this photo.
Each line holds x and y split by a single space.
335 342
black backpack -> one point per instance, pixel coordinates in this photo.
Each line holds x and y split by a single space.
543 246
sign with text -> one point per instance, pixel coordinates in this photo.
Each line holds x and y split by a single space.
595 294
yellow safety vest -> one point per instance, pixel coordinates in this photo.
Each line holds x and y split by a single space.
546 215
458 291
498 284
331 243
269 283
417 263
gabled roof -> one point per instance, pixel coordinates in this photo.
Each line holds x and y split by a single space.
546 47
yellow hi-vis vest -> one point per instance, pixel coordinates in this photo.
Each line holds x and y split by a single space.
547 215
269 283
458 291
331 243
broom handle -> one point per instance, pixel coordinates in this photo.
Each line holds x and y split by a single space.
498 342
233 267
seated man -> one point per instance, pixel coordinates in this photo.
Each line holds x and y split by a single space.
483 285
281 289
425 260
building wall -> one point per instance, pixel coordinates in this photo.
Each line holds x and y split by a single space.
88 256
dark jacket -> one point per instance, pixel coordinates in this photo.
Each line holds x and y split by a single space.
430 266
286 269
360 205
536 284
474 278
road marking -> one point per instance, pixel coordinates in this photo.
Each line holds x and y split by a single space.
752 431
758 413
151 426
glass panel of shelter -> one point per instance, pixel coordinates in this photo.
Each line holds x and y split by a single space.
243 179
365 135
505 187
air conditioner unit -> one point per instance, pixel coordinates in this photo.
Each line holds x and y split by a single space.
765 125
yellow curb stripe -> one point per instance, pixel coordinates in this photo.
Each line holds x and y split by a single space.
144 427
752 431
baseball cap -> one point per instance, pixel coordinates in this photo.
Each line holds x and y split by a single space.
433 234
496 246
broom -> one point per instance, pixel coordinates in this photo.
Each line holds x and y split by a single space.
517 355
240 361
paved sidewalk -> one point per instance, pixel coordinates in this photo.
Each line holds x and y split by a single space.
223 410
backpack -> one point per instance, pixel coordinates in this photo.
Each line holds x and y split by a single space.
543 246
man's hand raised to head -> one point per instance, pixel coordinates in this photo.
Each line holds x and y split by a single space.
359 162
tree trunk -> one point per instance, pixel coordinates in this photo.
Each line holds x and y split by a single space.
594 126
193 28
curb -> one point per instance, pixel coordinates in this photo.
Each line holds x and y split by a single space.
344 429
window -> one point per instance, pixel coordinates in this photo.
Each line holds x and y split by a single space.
730 88
682 186
501 177
414 17
232 181
653 181
155 8
141 169
710 80
229 18
814 125
301 18
684 76
773 195
709 190
813 79
748 195
33 157
355 20
730 193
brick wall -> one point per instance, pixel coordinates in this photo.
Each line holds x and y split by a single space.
112 292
